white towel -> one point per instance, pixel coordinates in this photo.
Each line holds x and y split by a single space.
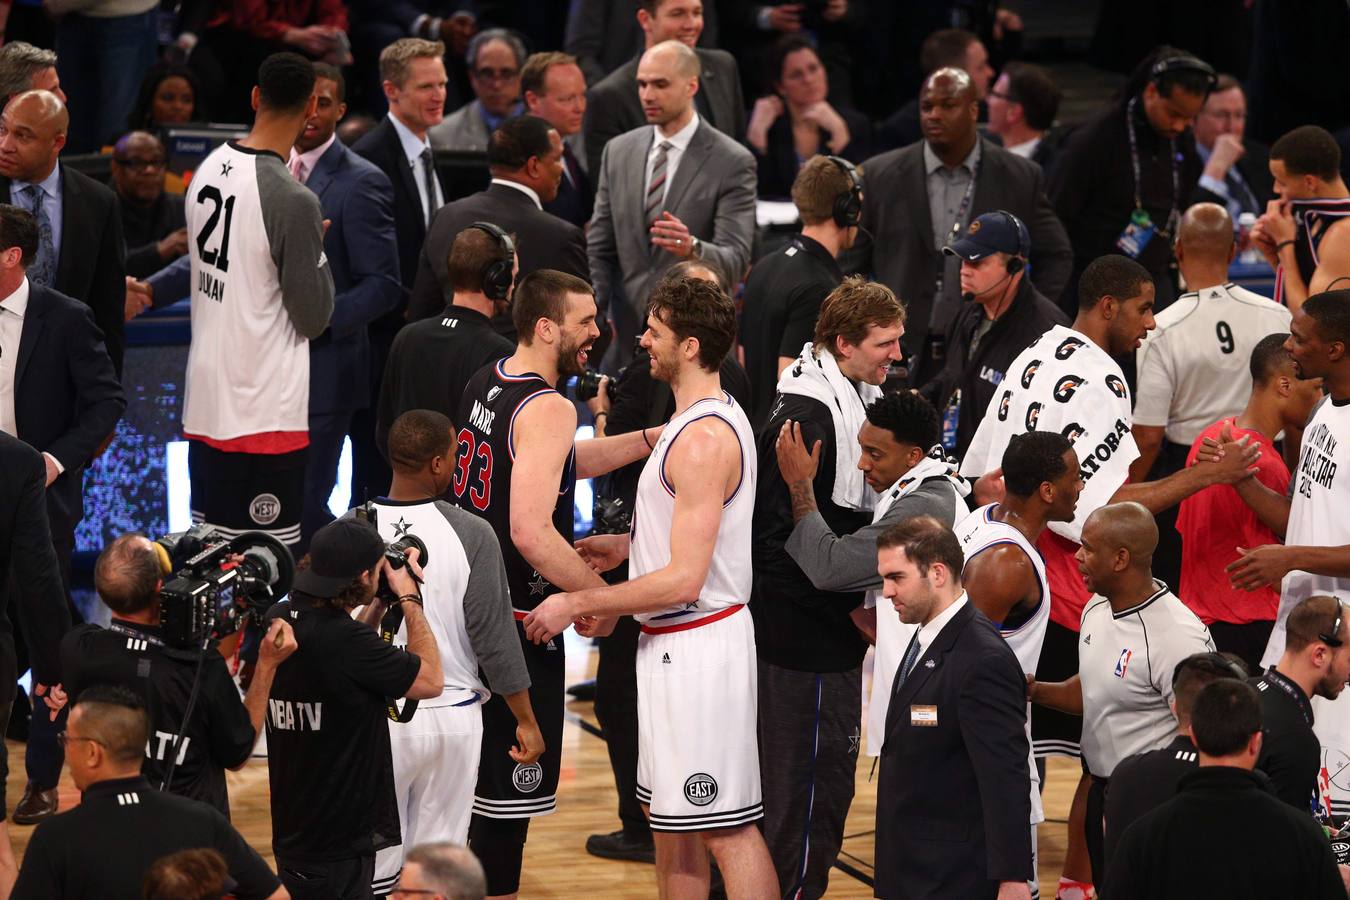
817 376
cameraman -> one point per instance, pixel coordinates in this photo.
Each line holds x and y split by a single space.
329 760
132 653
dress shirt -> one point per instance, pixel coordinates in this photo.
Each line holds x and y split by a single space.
1024 149
946 188
412 148
51 200
494 122
679 142
1219 186
12 310
310 158
935 625
523 188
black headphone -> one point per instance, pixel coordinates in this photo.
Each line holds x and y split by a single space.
1183 63
1213 661
847 211
497 276
1017 263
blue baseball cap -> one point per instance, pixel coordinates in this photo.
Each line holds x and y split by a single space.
993 232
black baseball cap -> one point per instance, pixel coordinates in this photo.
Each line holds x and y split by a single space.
338 553
993 232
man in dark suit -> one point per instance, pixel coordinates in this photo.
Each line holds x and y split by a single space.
525 157
27 559
413 75
603 34
62 397
357 199
953 801
923 196
153 221
80 248
1237 170
555 90
613 107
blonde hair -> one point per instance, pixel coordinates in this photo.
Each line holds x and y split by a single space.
396 59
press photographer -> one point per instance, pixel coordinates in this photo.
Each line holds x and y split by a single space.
329 759
199 727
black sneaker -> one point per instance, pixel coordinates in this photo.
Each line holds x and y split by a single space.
620 845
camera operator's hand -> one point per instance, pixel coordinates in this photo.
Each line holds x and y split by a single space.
54 697
405 580
603 552
600 402
529 743
277 644
550 618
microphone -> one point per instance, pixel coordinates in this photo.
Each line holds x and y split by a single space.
969 296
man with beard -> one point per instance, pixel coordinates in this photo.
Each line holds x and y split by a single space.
516 440
698 763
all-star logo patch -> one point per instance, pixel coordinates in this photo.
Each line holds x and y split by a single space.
264 509
700 789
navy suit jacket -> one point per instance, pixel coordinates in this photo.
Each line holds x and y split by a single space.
362 251
67 398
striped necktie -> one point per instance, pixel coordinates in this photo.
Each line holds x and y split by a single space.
656 191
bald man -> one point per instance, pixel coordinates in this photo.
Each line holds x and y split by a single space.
80 248
963 176
673 189
1194 368
1134 631
153 222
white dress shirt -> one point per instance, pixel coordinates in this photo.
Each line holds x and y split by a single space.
935 625
12 310
412 148
679 142
1024 149
523 188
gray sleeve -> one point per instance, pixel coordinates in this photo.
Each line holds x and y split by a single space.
849 563
602 250
293 221
487 605
734 221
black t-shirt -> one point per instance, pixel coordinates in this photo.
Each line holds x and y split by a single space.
219 735
782 300
102 848
1144 782
798 626
1291 754
328 752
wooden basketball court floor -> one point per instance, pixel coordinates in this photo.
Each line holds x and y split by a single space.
556 862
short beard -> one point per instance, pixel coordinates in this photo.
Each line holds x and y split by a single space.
567 359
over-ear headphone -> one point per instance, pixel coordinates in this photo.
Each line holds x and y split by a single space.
848 205
1018 263
1214 661
497 276
1183 63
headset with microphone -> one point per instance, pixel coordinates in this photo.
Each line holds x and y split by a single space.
847 212
1015 264
497 275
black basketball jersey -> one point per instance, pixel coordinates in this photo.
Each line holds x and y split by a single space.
482 483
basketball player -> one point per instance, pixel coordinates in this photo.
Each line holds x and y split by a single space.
468 607
515 443
1315 556
698 759
1004 575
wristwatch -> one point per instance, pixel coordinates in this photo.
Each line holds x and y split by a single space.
695 248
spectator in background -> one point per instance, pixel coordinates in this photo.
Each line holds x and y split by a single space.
357 200
441 870
754 28
24 67
962 175
555 90
80 248
169 95
613 106
378 23
1290 82
697 195
797 122
525 158
104 49
785 288
1105 206
1215 522
187 875
153 224
1237 170
604 34
1022 108
495 58
950 48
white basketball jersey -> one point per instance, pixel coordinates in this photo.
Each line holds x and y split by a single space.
728 581
978 532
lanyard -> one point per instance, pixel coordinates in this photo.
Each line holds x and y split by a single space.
965 205
1273 677
1172 215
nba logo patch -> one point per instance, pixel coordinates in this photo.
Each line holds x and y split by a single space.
1124 662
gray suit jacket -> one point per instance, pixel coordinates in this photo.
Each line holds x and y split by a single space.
712 192
463 129
900 251
613 107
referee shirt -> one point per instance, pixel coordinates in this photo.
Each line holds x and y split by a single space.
1194 368
1125 661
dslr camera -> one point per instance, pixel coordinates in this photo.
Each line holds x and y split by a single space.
215 583
396 553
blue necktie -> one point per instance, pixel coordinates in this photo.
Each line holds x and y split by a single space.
907 664
43 267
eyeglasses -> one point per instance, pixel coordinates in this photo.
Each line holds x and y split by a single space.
147 165
496 74
63 738
1334 639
